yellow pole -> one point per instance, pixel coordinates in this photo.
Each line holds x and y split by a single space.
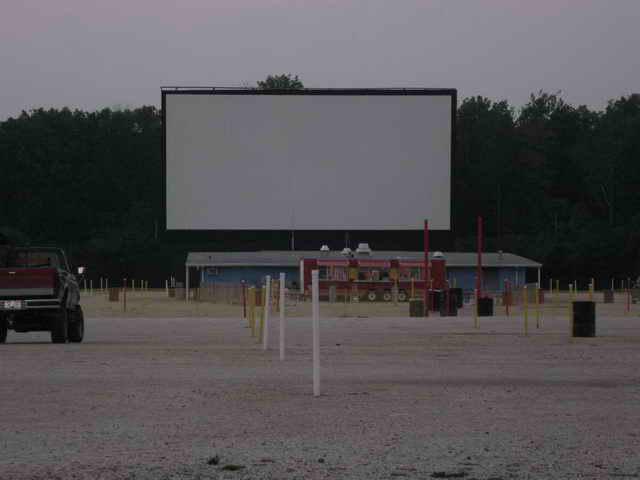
570 310
476 323
252 310
263 300
553 303
525 309
558 295
537 307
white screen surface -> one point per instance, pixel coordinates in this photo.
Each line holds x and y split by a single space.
307 162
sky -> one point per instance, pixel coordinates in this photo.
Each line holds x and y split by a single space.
92 54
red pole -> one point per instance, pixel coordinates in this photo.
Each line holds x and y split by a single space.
628 299
479 273
425 273
244 300
507 295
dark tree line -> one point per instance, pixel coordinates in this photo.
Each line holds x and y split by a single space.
554 182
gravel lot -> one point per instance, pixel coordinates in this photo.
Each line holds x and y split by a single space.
150 397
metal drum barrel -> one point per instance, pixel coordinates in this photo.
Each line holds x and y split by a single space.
485 307
584 319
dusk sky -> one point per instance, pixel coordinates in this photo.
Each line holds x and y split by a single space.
89 54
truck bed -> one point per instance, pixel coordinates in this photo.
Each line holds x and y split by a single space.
20 283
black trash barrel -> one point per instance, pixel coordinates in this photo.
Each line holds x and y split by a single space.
608 296
485 307
448 306
435 300
416 308
584 319
457 296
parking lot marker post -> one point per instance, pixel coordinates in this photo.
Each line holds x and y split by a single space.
243 293
628 309
570 311
261 304
267 308
507 297
315 300
525 309
282 319
476 324
252 311
538 307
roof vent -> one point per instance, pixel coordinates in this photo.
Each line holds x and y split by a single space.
438 255
324 248
346 252
363 249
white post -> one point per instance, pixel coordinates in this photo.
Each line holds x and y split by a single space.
106 283
267 309
166 287
91 287
186 283
315 298
539 277
282 324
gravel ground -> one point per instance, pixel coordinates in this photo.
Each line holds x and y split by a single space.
196 397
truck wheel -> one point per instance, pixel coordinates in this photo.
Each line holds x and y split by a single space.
76 326
402 296
386 296
4 328
371 296
60 326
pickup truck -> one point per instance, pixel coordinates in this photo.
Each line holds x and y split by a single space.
38 292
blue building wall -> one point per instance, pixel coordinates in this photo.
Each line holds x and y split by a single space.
251 275
462 277
492 278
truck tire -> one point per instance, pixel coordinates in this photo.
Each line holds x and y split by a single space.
402 296
76 326
386 295
60 326
4 328
371 295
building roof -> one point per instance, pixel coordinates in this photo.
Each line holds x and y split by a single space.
291 258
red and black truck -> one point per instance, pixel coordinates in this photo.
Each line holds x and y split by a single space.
38 292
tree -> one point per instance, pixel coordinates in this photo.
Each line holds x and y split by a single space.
281 82
483 165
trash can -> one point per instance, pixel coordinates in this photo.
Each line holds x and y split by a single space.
457 297
448 305
485 307
435 300
584 319
416 308
608 296
114 294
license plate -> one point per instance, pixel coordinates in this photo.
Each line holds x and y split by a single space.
13 304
